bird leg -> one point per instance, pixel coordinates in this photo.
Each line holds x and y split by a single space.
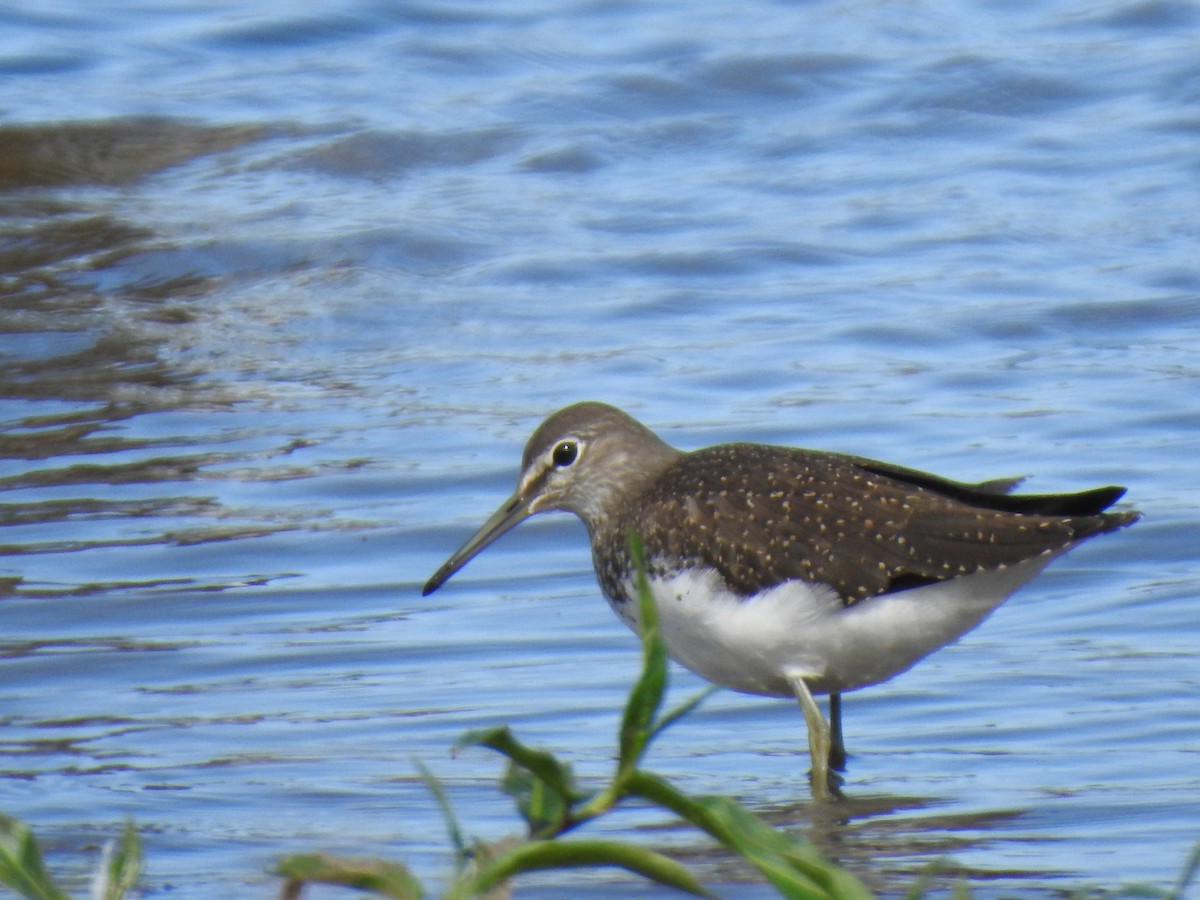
837 749
819 740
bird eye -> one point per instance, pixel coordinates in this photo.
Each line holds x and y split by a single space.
565 453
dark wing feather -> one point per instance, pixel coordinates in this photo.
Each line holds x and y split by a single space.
995 494
762 515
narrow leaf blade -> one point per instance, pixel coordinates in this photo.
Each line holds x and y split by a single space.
641 709
452 828
683 709
21 866
383 877
573 854
122 867
795 867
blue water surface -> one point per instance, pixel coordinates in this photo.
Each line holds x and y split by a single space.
285 287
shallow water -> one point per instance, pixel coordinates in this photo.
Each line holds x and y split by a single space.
284 289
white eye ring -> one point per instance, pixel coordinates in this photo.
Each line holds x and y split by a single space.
564 454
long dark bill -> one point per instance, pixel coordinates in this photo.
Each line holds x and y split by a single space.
514 511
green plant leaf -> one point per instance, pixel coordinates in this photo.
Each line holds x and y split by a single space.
1190 869
926 877
541 763
383 877
543 788
121 867
683 709
641 709
794 867
788 862
573 854
21 866
546 812
455 834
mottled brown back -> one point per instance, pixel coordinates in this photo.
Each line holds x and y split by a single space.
762 515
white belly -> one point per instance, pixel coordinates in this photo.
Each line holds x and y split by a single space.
753 644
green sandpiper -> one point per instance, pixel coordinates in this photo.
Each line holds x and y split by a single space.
790 572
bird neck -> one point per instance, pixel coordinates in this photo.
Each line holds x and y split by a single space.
614 493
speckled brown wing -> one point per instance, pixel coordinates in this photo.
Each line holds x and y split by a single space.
762 515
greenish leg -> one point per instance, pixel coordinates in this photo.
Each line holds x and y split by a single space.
819 739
